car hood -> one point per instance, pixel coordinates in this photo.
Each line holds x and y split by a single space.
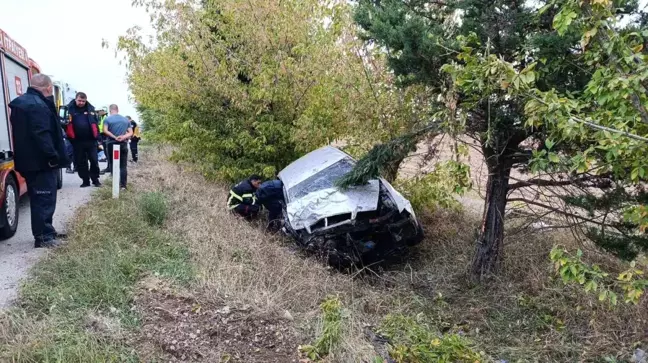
321 199
310 209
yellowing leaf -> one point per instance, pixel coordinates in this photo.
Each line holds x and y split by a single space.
553 157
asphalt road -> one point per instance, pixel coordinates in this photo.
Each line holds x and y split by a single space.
18 255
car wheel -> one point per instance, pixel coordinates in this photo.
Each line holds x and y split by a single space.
418 237
59 179
9 213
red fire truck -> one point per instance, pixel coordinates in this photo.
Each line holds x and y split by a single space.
16 69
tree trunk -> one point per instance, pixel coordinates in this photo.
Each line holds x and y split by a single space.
491 234
391 170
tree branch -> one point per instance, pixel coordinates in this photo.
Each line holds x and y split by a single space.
556 210
551 183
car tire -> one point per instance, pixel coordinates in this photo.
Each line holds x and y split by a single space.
59 179
9 212
418 237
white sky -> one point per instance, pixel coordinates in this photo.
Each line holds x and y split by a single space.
64 38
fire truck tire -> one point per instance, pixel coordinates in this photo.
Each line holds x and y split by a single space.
9 213
59 179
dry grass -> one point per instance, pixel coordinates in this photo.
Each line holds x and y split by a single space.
523 315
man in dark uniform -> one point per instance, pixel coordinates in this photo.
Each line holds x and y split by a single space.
39 151
270 195
241 199
83 133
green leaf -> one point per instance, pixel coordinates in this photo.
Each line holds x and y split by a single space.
553 157
603 295
563 20
549 144
591 286
573 269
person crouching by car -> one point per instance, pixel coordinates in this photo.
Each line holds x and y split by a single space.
242 199
270 195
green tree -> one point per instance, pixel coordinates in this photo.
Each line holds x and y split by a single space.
608 115
475 52
247 87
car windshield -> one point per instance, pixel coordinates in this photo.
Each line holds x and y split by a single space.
322 180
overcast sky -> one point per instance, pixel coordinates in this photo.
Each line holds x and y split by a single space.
64 38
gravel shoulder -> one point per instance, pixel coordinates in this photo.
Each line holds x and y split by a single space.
18 255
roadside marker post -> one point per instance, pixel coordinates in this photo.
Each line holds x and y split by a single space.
115 171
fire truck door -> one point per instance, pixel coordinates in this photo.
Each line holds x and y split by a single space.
17 78
5 143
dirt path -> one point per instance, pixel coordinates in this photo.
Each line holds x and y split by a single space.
18 255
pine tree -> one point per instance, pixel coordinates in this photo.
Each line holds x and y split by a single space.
435 42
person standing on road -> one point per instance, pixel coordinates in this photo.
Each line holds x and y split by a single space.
118 131
135 139
83 132
102 114
39 151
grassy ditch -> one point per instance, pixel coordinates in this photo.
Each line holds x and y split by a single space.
78 304
523 315
228 292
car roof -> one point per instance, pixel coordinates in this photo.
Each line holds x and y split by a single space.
311 164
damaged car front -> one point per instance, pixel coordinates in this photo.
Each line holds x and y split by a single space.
360 225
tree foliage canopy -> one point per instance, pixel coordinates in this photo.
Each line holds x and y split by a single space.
555 87
249 86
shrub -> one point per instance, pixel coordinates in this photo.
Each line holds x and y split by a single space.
412 341
154 206
331 330
437 188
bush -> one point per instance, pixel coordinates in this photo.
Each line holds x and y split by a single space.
331 330
154 206
437 188
413 341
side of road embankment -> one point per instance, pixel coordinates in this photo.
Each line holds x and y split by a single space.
165 273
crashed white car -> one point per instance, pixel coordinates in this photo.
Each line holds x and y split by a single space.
360 225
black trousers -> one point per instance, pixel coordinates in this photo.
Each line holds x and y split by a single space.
274 209
84 152
248 211
133 147
41 188
274 215
123 161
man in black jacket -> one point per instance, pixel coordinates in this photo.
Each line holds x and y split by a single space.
39 151
83 133
242 200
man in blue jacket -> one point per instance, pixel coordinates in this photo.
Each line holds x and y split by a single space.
39 151
83 133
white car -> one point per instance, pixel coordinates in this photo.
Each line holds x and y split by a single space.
360 225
